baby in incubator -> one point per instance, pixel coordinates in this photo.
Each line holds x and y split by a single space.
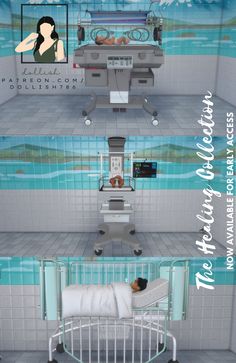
99 40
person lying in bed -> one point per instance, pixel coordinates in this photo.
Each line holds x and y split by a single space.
99 40
139 284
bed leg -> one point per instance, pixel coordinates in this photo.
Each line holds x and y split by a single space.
91 106
60 345
174 360
60 348
161 344
147 106
161 347
50 359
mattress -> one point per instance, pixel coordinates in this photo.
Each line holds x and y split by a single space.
156 290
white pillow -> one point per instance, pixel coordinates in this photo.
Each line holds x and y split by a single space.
156 290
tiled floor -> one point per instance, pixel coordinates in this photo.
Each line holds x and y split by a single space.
81 244
61 115
183 357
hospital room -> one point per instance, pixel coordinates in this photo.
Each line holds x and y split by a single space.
71 309
117 181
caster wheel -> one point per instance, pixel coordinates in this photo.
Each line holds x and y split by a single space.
155 122
173 361
101 232
132 232
87 122
138 252
98 252
161 346
53 361
60 348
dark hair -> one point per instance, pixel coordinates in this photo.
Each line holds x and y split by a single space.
40 39
98 43
142 283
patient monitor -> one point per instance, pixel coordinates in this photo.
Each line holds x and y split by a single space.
120 69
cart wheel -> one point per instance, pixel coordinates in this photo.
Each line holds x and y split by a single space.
161 346
138 252
52 361
173 361
60 348
98 252
132 232
155 122
87 121
101 232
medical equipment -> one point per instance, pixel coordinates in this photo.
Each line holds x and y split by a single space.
117 165
117 226
120 68
145 169
116 208
143 336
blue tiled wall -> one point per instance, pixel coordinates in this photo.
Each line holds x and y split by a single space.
72 162
191 26
25 270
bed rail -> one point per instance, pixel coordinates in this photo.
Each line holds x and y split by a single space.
56 274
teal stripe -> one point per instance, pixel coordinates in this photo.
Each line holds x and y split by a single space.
72 163
25 270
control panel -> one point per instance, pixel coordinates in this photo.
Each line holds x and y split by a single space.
120 62
116 166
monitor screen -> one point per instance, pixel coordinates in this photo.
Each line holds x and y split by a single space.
145 170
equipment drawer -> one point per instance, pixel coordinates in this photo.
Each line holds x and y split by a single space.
142 79
96 77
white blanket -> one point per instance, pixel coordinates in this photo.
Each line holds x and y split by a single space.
113 300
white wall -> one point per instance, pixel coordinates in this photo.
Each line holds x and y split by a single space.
78 210
219 225
7 67
187 75
226 79
7 73
233 331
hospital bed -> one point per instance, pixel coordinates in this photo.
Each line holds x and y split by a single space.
93 338
120 69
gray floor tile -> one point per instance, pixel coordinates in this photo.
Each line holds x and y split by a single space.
183 357
178 115
81 244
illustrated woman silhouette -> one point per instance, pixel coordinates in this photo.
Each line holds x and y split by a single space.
47 46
